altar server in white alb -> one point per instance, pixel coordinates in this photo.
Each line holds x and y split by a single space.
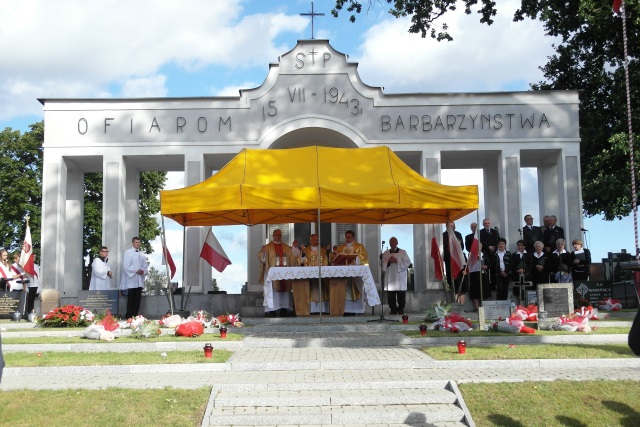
395 264
134 270
101 271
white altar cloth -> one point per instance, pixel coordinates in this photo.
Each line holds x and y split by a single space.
361 273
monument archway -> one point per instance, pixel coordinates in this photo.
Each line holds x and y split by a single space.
312 96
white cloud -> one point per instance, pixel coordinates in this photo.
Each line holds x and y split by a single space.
481 57
144 87
73 48
233 90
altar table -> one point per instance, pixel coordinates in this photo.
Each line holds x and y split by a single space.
361 274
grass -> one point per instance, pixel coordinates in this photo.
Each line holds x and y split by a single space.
41 359
475 333
546 351
553 404
124 339
104 408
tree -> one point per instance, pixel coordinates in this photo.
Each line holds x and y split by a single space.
423 13
155 281
21 186
21 195
588 58
149 205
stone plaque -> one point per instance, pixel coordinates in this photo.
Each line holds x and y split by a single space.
10 302
556 299
493 310
594 290
99 301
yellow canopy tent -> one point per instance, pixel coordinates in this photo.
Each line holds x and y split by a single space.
344 185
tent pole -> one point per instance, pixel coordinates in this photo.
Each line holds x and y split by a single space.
320 258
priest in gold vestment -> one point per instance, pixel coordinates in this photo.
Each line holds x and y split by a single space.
277 254
351 247
311 256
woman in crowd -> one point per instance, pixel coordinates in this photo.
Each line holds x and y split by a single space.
557 258
540 266
580 261
5 271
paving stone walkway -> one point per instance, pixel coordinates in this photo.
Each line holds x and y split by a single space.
368 376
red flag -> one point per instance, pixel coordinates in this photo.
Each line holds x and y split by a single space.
455 253
474 253
617 4
437 259
169 260
27 260
213 253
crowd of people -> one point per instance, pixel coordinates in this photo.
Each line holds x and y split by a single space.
541 257
13 278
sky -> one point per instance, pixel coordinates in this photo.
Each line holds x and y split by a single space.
144 48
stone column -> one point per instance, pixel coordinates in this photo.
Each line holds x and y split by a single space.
74 219
493 194
573 197
256 237
54 193
510 184
120 222
423 271
551 191
197 274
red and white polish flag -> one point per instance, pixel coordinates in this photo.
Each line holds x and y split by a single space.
27 259
455 253
213 253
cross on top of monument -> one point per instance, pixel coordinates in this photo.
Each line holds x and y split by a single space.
312 15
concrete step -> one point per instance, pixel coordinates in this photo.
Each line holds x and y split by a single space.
352 397
251 312
330 415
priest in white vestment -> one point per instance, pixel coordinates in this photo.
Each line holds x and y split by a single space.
395 264
101 271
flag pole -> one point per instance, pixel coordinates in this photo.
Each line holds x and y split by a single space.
320 257
166 264
634 202
480 257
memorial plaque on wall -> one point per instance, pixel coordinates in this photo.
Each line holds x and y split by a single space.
9 304
594 290
555 299
99 301
494 310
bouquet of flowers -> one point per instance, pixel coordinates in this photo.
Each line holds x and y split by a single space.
108 322
513 325
203 317
589 312
67 316
453 323
436 311
610 304
143 328
529 313
572 323
170 321
228 320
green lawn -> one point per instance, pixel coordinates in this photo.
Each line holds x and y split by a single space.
539 351
553 404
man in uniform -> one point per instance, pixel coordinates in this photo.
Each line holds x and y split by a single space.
395 263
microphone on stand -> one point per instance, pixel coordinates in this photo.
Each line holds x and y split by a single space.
583 229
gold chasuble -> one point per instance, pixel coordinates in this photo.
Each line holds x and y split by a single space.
269 260
358 249
310 259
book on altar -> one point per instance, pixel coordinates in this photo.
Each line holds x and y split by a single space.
345 259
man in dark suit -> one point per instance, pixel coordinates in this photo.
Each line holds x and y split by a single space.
447 255
530 233
551 234
489 241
